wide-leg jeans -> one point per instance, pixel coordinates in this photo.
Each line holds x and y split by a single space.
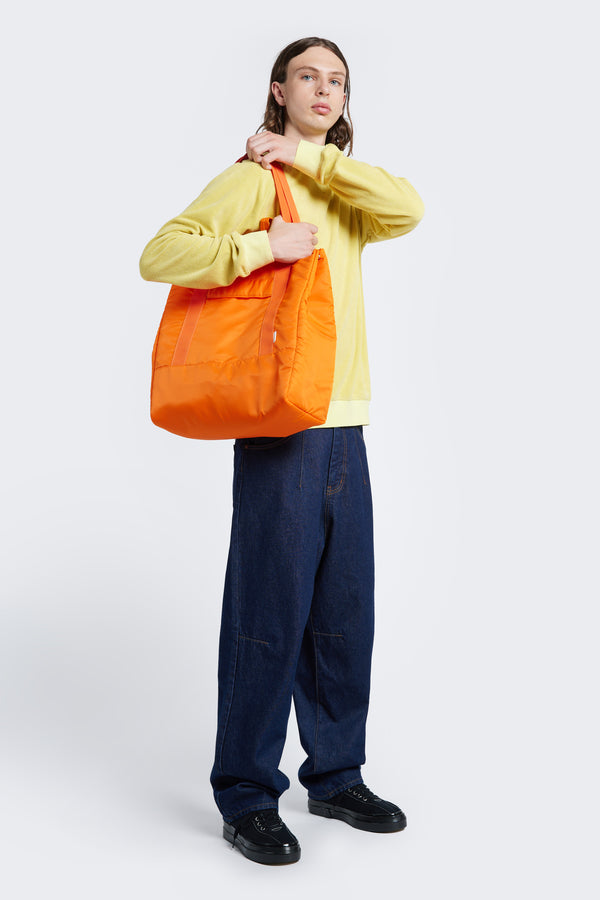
297 617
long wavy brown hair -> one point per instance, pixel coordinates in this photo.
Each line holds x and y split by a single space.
341 134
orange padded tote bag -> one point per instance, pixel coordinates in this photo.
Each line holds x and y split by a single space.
253 359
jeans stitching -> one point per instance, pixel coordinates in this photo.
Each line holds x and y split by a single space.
246 637
360 457
335 490
235 590
318 707
229 705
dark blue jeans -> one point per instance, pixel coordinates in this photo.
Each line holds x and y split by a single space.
297 617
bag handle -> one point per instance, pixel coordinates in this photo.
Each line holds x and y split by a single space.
284 194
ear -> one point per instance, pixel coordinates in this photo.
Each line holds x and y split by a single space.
278 93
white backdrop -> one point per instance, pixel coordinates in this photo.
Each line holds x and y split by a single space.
484 447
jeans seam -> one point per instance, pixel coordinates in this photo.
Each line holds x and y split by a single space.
360 457
229 703
236 594
317 704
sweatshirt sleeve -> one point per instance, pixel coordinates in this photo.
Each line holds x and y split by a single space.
216 239
388 206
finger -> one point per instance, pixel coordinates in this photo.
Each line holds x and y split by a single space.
269 152
260 136
263 135
262 155
251 143
251 154
260 159
255 149
262 140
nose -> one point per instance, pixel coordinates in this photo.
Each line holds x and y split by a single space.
323 88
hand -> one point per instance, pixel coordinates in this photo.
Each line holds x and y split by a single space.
267 147
291 241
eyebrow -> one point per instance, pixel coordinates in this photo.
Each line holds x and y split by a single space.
313 69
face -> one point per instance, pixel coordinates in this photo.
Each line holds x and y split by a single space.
312 94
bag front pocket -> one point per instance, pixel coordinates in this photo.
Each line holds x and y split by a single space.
227 328
228 323
259 284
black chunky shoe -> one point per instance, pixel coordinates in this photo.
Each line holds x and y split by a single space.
262 837
361 808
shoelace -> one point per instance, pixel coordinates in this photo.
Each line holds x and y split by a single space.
362 792
265 819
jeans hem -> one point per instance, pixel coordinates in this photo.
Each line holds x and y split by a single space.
246 810
337 790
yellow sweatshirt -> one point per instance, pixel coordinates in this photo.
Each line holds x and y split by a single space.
216 239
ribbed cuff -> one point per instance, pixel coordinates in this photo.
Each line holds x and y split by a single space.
255 251
308 158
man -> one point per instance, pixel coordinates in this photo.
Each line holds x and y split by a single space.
298 603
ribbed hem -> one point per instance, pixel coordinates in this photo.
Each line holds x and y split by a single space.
346 412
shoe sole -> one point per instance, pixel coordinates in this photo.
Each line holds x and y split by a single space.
386 824
278 856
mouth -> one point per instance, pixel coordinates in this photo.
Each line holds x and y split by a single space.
322 108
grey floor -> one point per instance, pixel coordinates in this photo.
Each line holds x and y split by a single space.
105 783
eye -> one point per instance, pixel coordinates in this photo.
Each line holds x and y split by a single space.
336 82
306 76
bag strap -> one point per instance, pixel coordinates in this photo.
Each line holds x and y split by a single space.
284 194
282 272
